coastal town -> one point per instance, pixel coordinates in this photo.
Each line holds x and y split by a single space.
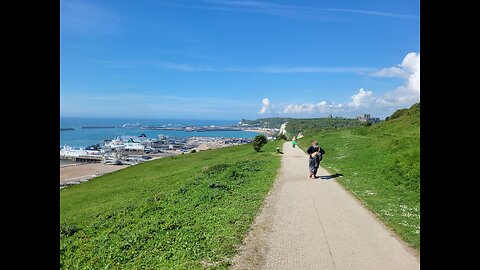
78 163
130 150
133 149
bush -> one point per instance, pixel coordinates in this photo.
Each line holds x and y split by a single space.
217 168
68 230
362 131
259 141
282 137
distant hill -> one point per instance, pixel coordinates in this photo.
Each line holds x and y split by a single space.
310 125
273 122
380 165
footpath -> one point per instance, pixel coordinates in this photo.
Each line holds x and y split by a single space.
316 224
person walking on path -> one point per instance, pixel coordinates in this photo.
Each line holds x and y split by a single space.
294 142
306 225
315 153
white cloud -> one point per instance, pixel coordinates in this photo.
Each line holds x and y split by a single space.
366 101
207 68
296 69
361 99
391 72
409 66
408 93
310 108
266 108
293 10
376 13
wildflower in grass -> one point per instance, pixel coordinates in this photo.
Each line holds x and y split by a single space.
386 212
408 214
403 223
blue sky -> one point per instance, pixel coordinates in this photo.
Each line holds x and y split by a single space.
225 59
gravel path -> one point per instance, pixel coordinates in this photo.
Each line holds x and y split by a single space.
316 224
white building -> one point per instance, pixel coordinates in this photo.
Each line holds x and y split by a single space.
366 118
68 151
134 146
115 144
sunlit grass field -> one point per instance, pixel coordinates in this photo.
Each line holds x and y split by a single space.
380 165
184 212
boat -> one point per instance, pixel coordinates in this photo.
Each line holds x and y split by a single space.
128 125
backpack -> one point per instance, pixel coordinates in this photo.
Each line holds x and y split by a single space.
320 154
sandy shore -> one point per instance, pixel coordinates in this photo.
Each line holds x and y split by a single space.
206 146
76 173
261 131
86 171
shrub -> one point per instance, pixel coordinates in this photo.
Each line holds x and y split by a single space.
259 141
68 230
217 168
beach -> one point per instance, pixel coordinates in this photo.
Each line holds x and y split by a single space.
76 173
267 132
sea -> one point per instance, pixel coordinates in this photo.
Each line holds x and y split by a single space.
84 137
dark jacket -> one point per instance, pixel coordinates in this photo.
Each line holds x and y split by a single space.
312 149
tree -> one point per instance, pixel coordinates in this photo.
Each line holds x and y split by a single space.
281 137
259 141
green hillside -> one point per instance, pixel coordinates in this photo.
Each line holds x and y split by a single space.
272 122
183 212
380 164
309 125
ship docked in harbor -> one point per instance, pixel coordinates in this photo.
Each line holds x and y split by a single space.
128 125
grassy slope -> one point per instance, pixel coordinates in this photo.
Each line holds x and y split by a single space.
306 126
185 212
381 166
272 122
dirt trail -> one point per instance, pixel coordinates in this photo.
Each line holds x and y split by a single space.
316 224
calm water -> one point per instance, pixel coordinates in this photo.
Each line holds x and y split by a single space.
86 137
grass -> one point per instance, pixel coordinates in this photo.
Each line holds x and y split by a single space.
380 165
185 212
306 126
